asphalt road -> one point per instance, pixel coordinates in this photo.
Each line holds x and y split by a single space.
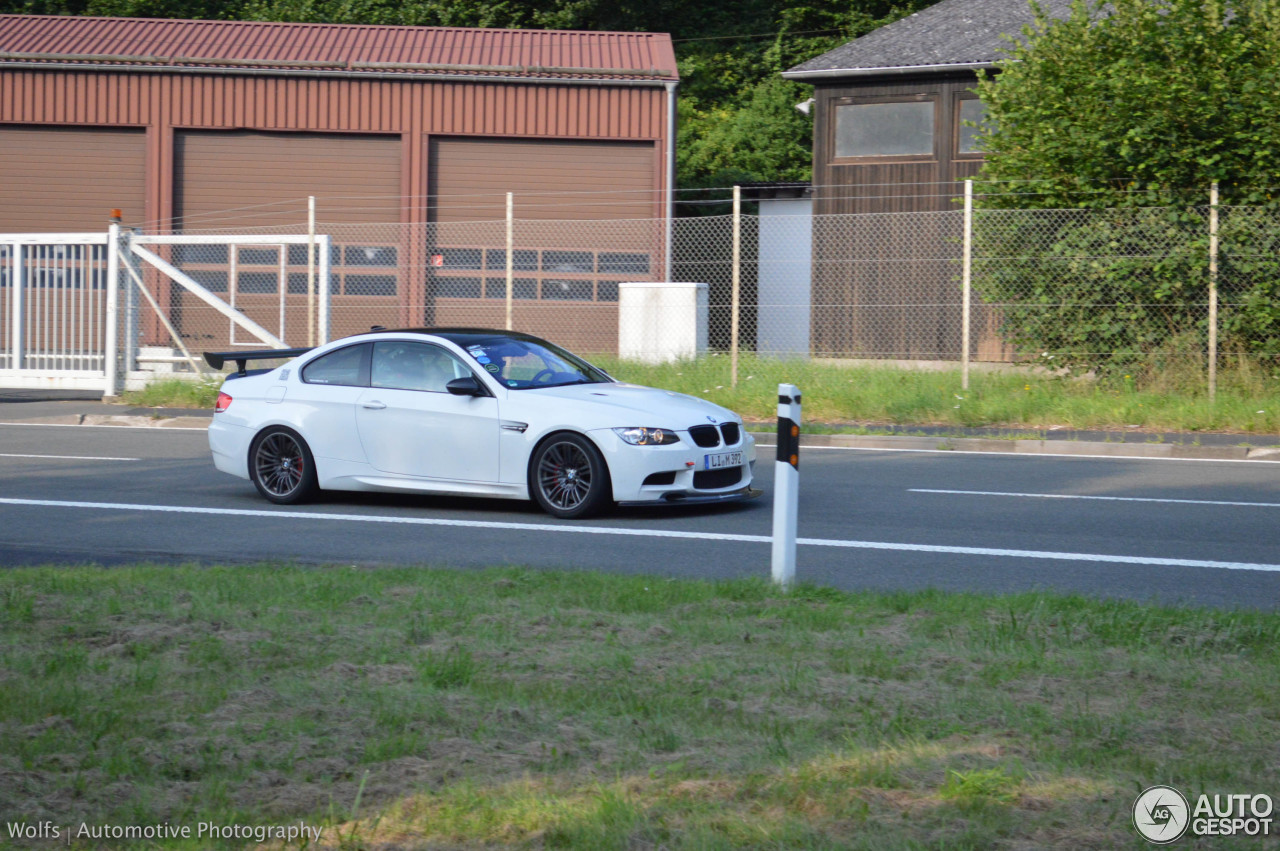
1200 531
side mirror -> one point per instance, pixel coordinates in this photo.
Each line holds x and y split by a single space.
465 386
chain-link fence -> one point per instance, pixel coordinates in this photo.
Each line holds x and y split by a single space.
1085 289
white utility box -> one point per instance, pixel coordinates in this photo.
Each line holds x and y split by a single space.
662 321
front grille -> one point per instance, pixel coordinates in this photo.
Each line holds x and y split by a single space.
712 479
705 435
732 434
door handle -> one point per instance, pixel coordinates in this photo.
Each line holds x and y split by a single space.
373 405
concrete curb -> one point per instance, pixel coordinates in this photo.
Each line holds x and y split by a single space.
118 421
1037 447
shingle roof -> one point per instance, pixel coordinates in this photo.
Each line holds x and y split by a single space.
961 34
336 48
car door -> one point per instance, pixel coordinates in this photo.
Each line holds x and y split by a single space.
323 401
410 425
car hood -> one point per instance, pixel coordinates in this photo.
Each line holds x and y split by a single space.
613 405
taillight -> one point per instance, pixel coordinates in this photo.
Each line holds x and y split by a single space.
224 402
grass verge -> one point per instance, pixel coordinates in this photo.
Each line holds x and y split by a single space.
1246 403
528 709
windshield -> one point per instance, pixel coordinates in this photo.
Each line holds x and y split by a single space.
524 364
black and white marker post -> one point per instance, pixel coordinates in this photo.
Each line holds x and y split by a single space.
786 486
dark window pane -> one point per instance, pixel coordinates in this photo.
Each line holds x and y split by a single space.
370 284
259 256
606 291
214 282
257 282
971 112
522 260
56 279
526 288
457 287
613 263
567 290
456 258
345 366
884 129
298 255
200 254
370 255
567 261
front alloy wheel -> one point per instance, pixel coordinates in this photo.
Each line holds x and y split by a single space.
281 467
569 478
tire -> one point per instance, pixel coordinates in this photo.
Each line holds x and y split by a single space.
569 478
281 466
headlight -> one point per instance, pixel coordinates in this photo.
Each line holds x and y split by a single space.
641 436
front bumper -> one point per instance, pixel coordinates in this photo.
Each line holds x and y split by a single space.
700 497
669 474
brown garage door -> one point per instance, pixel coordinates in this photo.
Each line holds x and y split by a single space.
69 179
238 181
469 179
585 221
241 179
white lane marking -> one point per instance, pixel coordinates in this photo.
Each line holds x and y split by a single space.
69 457
146 429
644 533
1099 498
1025 454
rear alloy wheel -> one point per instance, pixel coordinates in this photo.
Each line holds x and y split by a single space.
281 466
568 477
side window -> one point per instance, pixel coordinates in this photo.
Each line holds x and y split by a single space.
405 365
971 112
884 129
348 366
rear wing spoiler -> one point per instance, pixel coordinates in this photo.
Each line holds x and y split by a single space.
217 359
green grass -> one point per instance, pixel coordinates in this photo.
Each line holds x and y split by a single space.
510 708
857 397
175 393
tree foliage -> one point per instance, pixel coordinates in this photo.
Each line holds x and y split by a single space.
1134 109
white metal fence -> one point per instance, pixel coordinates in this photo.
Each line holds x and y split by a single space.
1081 288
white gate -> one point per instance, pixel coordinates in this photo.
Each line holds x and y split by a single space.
53 310
72 305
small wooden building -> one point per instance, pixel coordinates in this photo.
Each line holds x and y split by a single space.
890 136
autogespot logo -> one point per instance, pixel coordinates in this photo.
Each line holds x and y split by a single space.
1161 814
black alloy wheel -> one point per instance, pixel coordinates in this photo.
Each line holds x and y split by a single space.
568 477
281 467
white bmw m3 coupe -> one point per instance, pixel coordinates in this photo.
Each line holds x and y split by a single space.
470 412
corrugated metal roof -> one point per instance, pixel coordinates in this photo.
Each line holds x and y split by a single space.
339 48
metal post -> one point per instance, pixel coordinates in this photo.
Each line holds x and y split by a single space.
786 486
311 272
1213 291
966 284
669 266
511 241
737 276
324 243
16 336
112 342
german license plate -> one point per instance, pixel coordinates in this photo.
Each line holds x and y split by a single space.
721 460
